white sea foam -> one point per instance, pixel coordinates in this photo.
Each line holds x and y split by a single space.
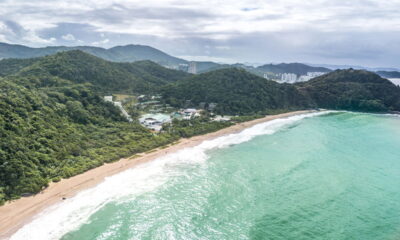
68 215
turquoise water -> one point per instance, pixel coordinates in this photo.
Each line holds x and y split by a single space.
335 176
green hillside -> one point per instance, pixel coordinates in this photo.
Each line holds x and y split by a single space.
52 128
107 77
13 65
296 68
128 53
235 91
350 89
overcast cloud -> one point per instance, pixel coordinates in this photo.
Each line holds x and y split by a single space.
362 32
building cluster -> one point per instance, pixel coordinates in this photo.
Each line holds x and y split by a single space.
119 105
191 67
289 77
293 78
154 121
309 76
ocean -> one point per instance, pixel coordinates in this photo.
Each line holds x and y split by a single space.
326 175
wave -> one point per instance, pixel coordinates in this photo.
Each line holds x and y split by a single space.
64 217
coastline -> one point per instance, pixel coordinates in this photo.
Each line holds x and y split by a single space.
13 215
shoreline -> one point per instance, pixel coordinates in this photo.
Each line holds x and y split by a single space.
17 213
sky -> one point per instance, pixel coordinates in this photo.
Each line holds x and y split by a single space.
351 32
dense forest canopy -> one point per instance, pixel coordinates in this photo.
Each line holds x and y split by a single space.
80 67
296 68
356 90
235 91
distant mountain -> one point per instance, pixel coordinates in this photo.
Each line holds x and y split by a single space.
388 74
372 69
131 53
296 68
106 76
356 90
128 53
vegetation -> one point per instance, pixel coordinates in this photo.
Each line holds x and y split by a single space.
296 68
53 127
13 65
235 91
355 90
128 53
50 133
197 126
106 77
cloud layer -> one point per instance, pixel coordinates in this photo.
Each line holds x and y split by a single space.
364 32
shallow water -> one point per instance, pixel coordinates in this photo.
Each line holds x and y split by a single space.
332 176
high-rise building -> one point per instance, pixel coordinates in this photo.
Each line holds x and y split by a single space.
289 77
183 67
192 67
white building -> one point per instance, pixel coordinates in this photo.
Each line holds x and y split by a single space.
108 98
189 113
154 121
309 76
192 67
289 77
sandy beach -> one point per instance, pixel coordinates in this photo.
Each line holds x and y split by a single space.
15 214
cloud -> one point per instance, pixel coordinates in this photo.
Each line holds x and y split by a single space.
102 42
13 32
254 30
68 37
222 47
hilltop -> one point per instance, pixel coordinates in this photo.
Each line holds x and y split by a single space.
128 53
235 91
296 68
350 89
80 67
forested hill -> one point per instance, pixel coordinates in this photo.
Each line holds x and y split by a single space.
80 67
128 53
54 122
350 89
235 91
238 92
296 68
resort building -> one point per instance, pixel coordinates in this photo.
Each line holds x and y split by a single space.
154 121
